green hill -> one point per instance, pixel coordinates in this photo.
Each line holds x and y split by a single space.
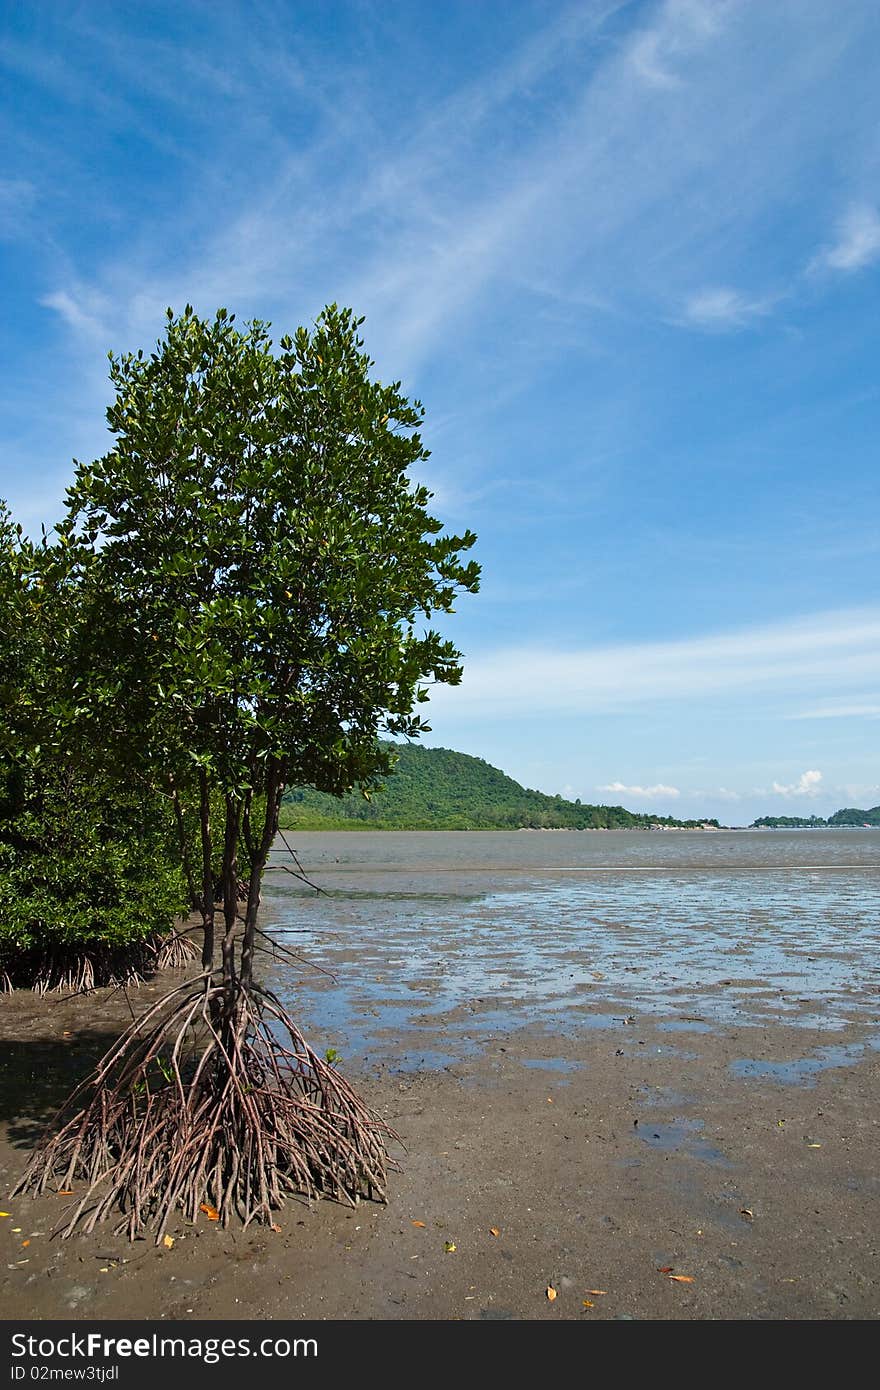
789 823
437 789
848 816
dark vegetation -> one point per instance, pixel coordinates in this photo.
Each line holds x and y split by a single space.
438 789
90 875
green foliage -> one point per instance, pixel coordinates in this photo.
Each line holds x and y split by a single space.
233 601
82 864
263 556
257 566
848 816
21 633
86 862
438 789
851 816
788 823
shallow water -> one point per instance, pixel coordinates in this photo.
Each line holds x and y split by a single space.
802 1071
478 934
680 1135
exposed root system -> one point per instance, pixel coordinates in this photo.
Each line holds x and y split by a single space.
175 952
82 970
209 1104
78 971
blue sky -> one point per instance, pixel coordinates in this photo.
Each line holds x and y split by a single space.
627 254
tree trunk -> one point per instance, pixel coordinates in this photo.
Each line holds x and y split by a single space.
230 905
259 855
207 874
183 847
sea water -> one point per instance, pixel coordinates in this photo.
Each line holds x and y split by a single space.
474 934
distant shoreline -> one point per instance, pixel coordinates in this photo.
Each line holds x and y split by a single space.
357 827
441 789
352 824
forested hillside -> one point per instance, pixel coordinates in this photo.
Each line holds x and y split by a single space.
438 789
850 815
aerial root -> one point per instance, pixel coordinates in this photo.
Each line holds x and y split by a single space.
78 970
175 951
83 969
209 1103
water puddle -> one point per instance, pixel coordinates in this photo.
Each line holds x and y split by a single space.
680 1136
422 1060
550 1063
802 1071
685 1025
652 1051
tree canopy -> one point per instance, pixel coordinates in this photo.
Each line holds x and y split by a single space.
261 561
264 555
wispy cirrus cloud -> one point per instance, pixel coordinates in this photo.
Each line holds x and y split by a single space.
857 241
596 197
401 228
825 652
656 52
721 309
86 312
591 164
845 709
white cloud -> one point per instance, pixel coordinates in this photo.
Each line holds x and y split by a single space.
858 240
722 309
823 651
84 312
839 711
451 233
647 58
627 186
658 790
808 784
681 27
414 228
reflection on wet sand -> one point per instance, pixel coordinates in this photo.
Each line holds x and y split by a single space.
439 944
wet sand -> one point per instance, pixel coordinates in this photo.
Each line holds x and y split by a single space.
600 1161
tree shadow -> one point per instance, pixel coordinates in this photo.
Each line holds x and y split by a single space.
37 1075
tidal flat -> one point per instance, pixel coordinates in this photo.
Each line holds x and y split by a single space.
641 1063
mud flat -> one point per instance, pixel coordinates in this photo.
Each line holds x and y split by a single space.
685 1120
